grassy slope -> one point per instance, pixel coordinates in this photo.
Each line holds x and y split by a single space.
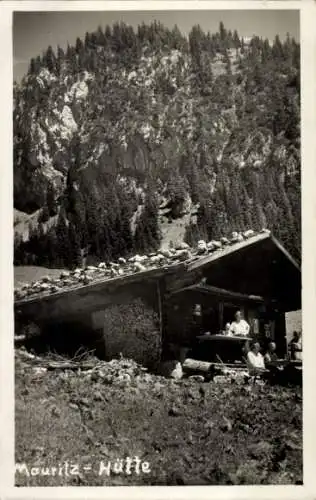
27 274
178 427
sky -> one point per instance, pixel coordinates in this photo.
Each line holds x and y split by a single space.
33 32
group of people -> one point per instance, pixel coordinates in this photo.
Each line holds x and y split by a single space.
258 363
269 363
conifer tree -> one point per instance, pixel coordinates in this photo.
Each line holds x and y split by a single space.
63 246
74 246
52 247
49 59
236 40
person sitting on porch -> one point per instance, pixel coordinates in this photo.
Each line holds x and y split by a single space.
226 330
271 362
239 327
255 361
245 349
295 346
271 356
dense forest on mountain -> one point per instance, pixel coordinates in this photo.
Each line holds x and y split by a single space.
128 125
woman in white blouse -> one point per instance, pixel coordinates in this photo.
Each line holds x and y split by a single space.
239 327
255 360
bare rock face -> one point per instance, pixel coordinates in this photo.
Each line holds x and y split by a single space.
36 180
79 91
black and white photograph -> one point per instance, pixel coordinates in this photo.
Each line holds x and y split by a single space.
158 333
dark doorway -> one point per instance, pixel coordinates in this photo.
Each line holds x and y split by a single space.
68 339
229 311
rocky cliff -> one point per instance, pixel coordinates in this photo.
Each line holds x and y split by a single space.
149 134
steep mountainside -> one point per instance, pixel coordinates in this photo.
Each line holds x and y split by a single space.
129 137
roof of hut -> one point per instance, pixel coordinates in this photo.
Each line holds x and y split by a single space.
241 258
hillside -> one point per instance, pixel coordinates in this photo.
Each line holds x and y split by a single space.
190 432
135 139
29 274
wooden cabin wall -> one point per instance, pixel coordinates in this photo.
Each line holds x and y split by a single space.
125 321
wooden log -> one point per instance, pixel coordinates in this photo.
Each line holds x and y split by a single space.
55 365
26 355
194 365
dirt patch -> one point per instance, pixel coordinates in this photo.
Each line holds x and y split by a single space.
185 432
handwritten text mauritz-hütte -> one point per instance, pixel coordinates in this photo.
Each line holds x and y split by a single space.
126 466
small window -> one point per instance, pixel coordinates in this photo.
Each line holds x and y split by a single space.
256 326
197 310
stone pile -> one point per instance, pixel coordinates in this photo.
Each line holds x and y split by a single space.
117 371
163 258
228 375
120 371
